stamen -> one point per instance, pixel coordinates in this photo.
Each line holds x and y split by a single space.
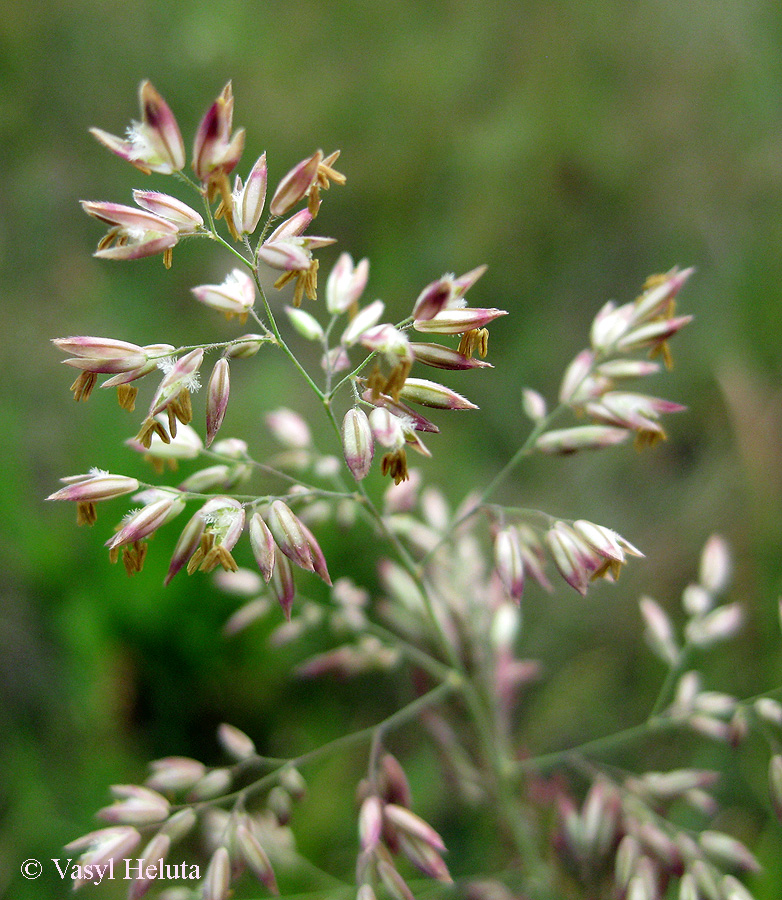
226 560
311 280
395 465
396 380
313 201
207 541
298 292
183 408
470 340
376 382
161 433
86 514
284 279
156 462
211 560
126 396
133 556
171 419
108 239
148 428
82 387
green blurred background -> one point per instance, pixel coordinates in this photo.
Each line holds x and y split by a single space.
574 147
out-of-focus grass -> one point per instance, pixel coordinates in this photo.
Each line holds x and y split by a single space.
574 147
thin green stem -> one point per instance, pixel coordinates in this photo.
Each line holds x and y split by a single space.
329 371
186 179
211 345
605 744
395 720
228 246
524 450
352 375
263 467
212 230
279 339
276 473
655 724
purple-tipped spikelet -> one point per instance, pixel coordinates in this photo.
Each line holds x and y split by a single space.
296 184
263 546
509 562
217 881
152 856
101 355
235 742
357 442
367 318
387 429
133 233
574 558
135 805
581 437
164 506
458 321
217 394
296 540
101 848
441 357
152 145
174 773
445 293
186 545
86 490
283 585
97 485
286 254
429 393
295 226
248 199
255 857
345 284
432 299
289 535
215 151
186 219
319 566
234 297
401 411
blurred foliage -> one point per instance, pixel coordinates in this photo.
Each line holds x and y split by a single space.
576 148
